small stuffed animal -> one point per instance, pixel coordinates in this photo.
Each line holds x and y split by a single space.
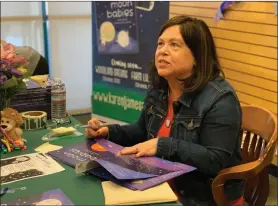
11 121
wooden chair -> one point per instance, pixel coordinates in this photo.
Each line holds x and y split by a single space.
259 130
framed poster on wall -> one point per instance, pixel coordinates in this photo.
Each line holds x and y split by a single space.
124 42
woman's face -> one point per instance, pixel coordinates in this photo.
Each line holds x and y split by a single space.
173 58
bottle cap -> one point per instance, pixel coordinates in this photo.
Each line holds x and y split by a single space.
57 79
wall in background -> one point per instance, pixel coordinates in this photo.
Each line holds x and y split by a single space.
21 24
246 41
70 40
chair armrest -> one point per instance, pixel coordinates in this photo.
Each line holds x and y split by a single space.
244 171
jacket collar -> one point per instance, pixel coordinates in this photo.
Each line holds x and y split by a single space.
185 99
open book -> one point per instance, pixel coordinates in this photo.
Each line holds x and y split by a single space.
98 157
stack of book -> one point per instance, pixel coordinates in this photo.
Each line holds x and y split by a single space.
35 98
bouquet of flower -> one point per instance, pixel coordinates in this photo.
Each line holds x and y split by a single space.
12 74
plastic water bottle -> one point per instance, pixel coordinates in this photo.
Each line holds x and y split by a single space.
58 101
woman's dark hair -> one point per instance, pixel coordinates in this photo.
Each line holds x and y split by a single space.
199 40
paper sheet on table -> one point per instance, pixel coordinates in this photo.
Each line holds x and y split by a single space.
46 147
159 194
27 166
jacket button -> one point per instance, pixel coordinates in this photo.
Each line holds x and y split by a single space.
182 192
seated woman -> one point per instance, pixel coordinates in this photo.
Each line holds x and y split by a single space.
191 114
37 64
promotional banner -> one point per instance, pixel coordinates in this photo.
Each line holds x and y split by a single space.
125 37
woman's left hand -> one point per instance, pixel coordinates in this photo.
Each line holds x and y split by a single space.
147 148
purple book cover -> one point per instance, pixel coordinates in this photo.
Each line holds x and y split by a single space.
83 152
154 161
148 171
53 197
122 167
177 169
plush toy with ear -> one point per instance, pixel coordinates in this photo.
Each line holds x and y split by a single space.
11 121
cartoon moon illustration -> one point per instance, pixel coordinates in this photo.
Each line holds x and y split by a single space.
123 38
98 147
107 32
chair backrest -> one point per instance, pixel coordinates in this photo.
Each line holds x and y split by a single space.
259 133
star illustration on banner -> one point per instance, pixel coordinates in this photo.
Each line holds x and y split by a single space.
220 12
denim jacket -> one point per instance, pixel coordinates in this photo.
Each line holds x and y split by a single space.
205 133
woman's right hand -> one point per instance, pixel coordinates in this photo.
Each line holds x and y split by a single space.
95 129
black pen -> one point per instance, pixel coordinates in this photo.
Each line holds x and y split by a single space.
102 125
